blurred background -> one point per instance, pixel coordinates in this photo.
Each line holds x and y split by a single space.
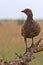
11 9
11 20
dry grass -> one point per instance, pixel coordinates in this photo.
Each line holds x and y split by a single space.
11 40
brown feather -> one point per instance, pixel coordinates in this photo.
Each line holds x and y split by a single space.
30 28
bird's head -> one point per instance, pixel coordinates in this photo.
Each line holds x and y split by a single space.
28 12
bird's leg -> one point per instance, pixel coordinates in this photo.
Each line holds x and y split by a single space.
32 41
25 43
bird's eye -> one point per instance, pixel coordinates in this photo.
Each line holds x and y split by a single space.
26 10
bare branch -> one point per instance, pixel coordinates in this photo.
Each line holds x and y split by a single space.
37 43
39 49
19 56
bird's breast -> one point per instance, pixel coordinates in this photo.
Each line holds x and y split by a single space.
31 29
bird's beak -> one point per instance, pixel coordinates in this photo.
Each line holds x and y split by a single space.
22 11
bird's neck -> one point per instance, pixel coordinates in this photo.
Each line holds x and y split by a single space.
29 18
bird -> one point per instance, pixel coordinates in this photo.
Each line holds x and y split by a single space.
30 27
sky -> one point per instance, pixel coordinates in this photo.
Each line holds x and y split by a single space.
11 9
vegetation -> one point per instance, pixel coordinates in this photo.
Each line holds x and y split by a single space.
20 22
11 41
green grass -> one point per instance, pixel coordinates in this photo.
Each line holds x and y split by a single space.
38 59
9 53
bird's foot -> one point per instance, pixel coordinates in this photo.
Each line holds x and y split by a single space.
27 49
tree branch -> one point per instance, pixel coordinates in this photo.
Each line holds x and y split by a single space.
19 56
37 43
39 49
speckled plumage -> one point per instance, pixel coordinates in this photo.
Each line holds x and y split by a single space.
30 28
